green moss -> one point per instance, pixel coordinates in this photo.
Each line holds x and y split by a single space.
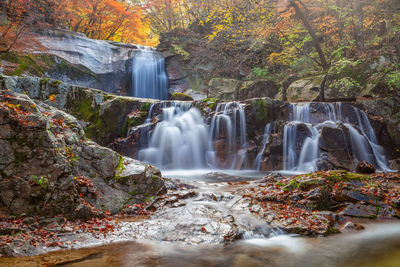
55 83
261 110
119 169
293 184
347 176
181 97
44 81
211 102
145 106
35 65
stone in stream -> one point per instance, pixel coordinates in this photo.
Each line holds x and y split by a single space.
365 167
361 211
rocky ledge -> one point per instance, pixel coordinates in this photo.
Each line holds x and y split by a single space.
48 167
321 203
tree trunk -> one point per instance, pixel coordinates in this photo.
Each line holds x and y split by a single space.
359 24
309 28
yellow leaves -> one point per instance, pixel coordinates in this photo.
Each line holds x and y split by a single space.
52 98
283 58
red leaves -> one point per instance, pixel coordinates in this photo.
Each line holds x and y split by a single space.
18 113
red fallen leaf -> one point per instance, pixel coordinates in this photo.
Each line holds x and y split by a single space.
203 229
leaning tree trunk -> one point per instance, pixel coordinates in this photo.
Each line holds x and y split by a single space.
311 31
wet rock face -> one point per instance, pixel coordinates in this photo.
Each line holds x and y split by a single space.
46 160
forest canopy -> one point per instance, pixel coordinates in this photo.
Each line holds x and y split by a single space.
263 36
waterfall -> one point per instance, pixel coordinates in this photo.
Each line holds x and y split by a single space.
182 140
228 136
149 79
266 137
301 136
179 141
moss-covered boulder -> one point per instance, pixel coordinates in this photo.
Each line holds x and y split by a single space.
304 90
181 97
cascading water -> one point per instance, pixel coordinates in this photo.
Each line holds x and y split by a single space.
149 79
183 141
180 140
266 137
228 136
301 137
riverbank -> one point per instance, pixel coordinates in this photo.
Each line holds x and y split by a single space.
228 209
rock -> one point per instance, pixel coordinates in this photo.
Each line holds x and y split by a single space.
350 226
395 165
365 168
7 251
181 97
222 88
29 220
106 116
137 139
304 90
45 221
140 180
360 211
354 195
285 85
333 141
257 89
55 167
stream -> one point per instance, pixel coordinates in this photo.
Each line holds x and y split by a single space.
193 231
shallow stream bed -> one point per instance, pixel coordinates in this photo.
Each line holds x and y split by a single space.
209 225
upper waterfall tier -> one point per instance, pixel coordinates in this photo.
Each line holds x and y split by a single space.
149 78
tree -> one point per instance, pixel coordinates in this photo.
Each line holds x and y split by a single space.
25 15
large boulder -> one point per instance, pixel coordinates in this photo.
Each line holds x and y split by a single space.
87 62
48 167
334 142
305 90
258 88
222 88
285 85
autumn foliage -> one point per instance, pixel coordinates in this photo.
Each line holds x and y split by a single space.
114 20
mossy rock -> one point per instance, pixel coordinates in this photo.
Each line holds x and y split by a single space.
181 97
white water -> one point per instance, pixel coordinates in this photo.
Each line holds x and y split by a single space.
266 137
182 140
228 125
149 79
301 154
